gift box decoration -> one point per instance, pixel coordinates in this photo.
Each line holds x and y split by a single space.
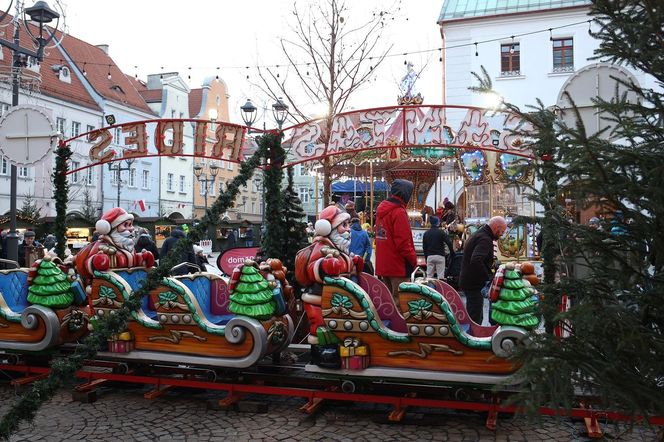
121 343
354 355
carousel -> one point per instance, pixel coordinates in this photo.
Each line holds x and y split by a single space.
464 174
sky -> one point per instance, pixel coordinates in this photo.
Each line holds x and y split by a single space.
197 36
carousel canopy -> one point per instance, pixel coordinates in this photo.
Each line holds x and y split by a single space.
358 186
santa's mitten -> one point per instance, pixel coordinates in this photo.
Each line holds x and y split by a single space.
101 262
148 259
359 263
331 266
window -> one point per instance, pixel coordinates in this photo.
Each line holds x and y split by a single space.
132 177
563 55
75 129
61 124
211 188
303 193
89 177
4 107
221 164
146 179
229 165
169 182
118 134
254 186
253 207
221 187
23 172
201 188
89 128
74 177
4 166
115 177
510 59
181 183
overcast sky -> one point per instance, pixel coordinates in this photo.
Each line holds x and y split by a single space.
205 34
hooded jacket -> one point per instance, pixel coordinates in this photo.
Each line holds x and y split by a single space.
360 244
395 250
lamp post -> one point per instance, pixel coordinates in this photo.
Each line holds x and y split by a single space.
41 14
117 169
202 178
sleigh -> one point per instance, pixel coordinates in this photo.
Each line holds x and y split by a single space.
29 327
427 336
185 320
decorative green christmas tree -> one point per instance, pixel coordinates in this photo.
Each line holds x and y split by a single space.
252 296
294 219
50 287
515 305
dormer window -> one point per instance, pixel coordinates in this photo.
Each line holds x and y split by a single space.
117 88
64 75
33 64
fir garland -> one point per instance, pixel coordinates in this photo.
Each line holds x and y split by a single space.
61 194
63 369
276 234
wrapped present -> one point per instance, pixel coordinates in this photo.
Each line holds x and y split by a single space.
326 336
121 343
354 356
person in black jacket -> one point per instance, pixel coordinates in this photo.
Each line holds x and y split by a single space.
476 265
186 256
433 244
145 243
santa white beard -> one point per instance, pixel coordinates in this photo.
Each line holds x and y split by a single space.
341 241
124 240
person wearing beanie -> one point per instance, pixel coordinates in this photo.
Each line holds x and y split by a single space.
395 250
328 255
437 247
115 247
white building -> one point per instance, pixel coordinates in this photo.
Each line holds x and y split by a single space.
531 50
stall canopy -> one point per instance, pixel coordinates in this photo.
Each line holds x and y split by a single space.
358 186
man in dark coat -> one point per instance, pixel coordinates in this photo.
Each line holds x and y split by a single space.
476 265
395 251
433 243
187 254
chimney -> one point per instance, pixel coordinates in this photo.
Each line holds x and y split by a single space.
103 48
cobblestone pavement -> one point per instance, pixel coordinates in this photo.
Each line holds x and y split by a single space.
184 415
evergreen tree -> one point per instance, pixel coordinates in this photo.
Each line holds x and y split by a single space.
50 287
252 296
294 217
276 232
29 208
616 344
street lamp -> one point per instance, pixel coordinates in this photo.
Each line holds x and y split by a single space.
117 169
41 14
280 112
249 113
202 178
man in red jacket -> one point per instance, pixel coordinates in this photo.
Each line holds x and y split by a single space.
395 250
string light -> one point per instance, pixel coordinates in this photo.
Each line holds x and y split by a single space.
476 44
512 47
109 72
85 73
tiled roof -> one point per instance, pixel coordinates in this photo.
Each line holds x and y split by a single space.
460 9
97 64
195 101
50 84
151 95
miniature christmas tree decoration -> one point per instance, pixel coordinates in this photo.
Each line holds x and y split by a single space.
50 287
515 305
252 295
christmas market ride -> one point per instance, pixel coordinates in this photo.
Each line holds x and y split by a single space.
361 336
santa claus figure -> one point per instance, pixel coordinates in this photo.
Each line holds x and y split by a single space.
115 246
328 255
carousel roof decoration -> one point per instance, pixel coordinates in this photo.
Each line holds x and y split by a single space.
409 95
501 158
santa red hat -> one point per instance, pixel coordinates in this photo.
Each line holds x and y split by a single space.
330 218
111 219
